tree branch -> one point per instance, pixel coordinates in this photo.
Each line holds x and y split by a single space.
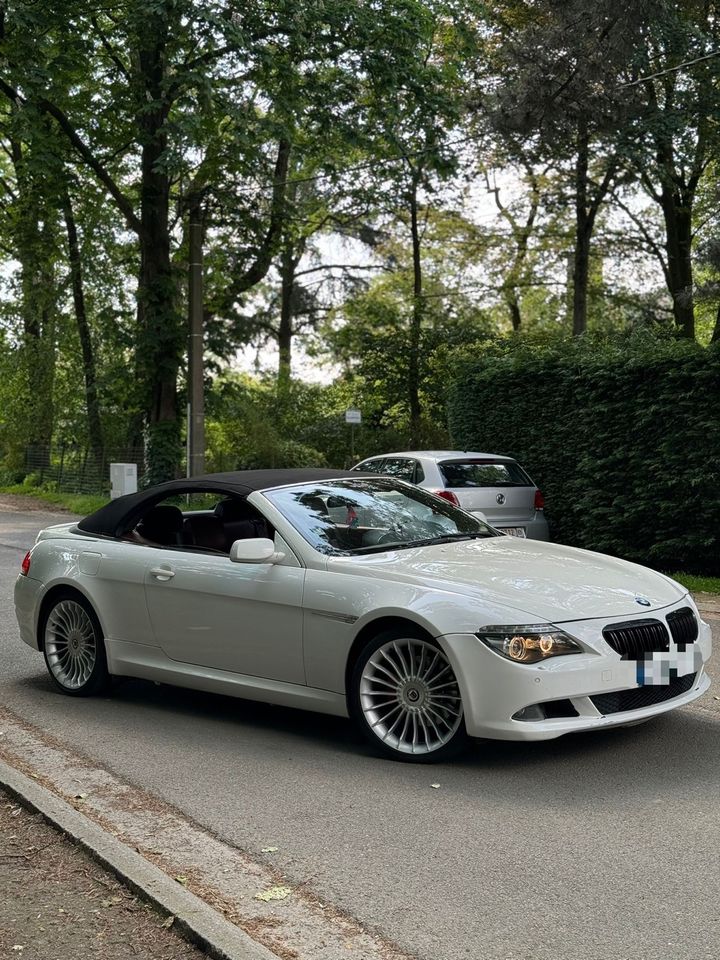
52 110
109 49
265 253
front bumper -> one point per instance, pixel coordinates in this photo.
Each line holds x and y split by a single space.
494 689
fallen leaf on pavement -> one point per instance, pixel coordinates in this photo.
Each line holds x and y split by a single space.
169 922
435 786
274 893
269 850
182 880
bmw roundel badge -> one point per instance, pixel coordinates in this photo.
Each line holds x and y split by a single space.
643 601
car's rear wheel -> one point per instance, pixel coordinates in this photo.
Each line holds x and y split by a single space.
74 647
405 698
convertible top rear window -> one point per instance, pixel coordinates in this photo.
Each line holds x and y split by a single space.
373 515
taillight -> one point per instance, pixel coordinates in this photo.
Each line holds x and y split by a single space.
447 495
539 500
25 565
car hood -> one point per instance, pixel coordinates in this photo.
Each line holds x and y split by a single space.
544 581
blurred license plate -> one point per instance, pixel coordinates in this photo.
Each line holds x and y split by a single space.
513 531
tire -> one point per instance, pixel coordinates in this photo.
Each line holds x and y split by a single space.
74 646
405 699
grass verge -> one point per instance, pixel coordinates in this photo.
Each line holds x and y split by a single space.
697 584
82 503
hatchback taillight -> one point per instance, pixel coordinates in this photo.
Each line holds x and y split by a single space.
25 565
539 500
447 495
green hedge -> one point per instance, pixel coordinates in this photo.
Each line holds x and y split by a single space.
623 438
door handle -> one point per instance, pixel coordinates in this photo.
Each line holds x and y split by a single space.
162 573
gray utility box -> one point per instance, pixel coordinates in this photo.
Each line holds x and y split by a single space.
123 479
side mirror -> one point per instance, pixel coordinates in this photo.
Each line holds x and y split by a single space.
256 550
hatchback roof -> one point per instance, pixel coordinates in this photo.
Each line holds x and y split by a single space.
442 455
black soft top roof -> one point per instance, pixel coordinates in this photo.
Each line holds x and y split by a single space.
121 514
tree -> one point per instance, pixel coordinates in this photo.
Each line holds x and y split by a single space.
677 77
559 103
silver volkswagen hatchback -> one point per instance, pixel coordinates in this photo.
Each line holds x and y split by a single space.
497 488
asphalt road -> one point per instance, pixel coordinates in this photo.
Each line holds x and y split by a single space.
603 845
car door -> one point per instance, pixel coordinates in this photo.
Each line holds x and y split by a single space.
241 617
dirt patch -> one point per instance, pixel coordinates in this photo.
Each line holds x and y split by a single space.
57 902
12 503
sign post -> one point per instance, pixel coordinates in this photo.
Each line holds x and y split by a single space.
353 416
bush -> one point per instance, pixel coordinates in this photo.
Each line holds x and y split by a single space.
622 437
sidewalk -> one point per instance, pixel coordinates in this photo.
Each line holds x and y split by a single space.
58 904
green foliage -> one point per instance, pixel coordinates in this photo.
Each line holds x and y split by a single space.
622 437
162 446
698 584
80 503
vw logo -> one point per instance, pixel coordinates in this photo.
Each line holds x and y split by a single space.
643 601
500 498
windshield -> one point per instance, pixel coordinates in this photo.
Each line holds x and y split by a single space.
373 515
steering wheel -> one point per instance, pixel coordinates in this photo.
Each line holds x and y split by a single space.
388 537
435 526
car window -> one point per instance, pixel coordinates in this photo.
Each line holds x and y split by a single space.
419 472
483 473
373 514
208 522
399 467
370 466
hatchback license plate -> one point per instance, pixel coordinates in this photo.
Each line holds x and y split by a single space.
513 531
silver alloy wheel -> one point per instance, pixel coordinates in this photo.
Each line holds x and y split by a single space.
410 697
70 644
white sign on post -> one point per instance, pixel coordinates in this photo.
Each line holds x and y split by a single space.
353 416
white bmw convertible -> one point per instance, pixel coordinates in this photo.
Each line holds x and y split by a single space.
362 596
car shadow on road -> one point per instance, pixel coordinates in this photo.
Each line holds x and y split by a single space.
619 762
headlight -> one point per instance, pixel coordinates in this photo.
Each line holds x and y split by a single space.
529 644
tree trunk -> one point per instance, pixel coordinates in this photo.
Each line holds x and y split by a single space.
35 253
581 256
92 401
292 253
416 319
160 327
716 332
677 212
514 310
581 276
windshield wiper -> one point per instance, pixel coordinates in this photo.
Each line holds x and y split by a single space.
426 542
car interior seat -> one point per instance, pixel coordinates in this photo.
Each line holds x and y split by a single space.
205 531
240 521
162 524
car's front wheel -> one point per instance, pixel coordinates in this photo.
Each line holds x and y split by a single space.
74 647
405 698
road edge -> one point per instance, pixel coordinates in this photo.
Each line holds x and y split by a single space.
194 919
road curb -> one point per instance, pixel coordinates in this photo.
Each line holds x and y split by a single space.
194 919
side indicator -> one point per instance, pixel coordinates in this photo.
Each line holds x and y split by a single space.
25 565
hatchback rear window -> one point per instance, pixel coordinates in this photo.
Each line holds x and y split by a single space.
483 473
